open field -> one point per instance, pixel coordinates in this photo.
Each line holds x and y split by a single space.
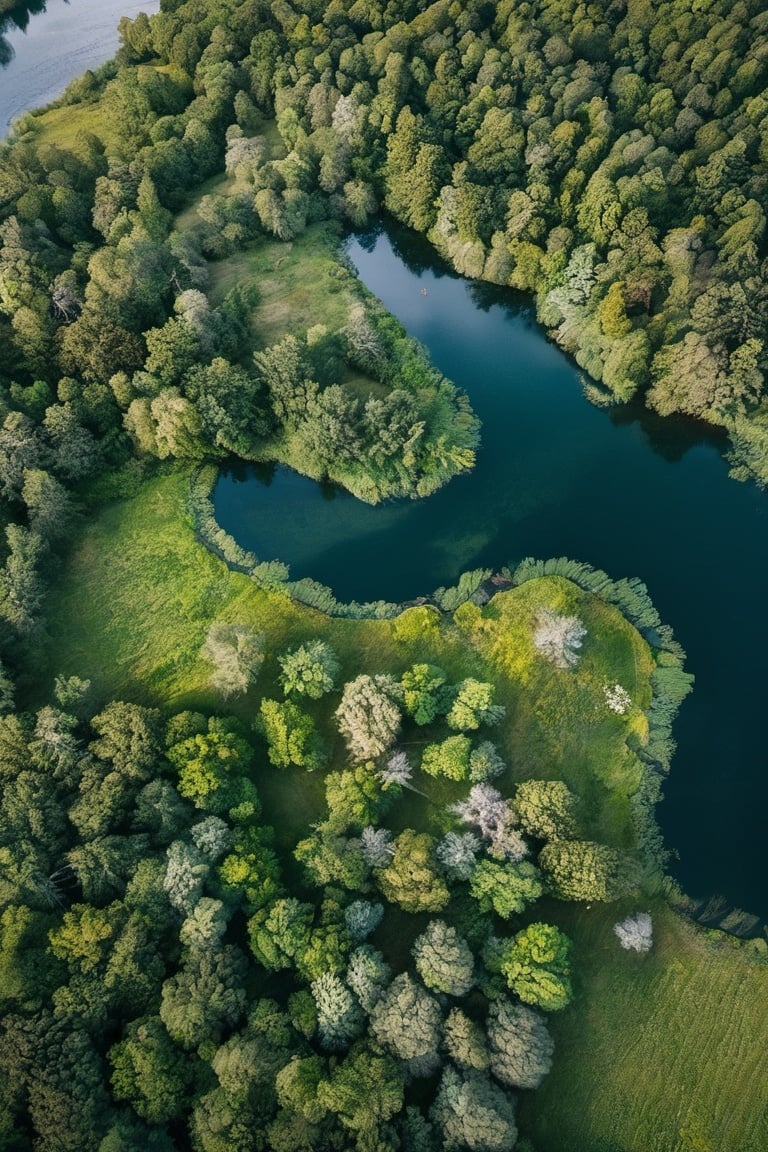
139 593
300 283
658 1053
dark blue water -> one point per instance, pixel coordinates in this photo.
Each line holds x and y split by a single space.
621 489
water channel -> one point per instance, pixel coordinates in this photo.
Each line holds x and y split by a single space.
624 490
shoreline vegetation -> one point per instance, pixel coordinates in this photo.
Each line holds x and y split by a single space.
333 876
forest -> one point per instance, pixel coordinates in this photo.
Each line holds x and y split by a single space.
608 161
220 903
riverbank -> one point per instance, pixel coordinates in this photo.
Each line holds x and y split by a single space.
57 45
684 1007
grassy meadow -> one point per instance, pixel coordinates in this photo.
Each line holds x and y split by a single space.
662 1053
139 592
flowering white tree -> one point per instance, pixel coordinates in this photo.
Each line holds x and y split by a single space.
368 975
636 932
236 653
485 763
443 959
617 698
376 846
339 1018
520 1045
558 637
484 806
245 151
506 843
397 772
369 715
458 854
362 917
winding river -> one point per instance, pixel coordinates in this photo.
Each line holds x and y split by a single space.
621 489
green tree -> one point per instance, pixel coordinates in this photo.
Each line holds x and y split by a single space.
581 870
536 965
281 933
365 1091
354 798
205 996
473 705
291 735
150 1072
505 888
297 1084
546 809
425 693
412 880
450 758
309 670
464 1041
213 768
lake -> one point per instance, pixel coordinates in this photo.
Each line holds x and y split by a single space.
45 46
622 489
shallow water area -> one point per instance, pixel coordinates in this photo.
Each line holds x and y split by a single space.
621 489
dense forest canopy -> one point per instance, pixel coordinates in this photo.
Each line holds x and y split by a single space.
178 973
607 158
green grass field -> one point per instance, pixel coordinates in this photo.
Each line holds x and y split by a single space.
139 592
300 283
658 1053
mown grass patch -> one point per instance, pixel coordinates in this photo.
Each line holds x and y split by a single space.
658 1053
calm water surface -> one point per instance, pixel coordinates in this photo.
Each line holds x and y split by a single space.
45 45
621 489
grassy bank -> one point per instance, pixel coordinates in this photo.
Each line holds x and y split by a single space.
139 592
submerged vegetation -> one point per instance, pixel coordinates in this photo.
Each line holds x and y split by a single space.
280 873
